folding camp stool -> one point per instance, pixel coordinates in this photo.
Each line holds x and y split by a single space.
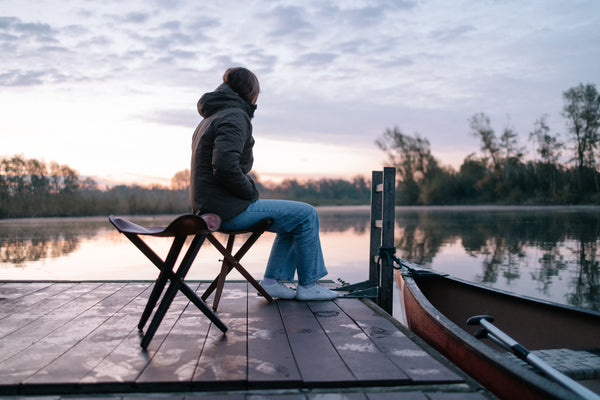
231 261
198 226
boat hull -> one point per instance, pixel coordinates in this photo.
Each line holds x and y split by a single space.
492 368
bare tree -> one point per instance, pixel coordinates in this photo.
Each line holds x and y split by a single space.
14 171
513 152
410 155
38 178
509 142
181 180
481 128
548 146
582 111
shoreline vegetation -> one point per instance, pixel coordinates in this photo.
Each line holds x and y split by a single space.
31 189
500 175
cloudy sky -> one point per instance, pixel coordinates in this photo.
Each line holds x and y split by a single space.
110 87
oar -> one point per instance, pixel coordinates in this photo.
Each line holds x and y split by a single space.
509 343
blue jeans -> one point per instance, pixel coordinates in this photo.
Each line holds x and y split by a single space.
297 246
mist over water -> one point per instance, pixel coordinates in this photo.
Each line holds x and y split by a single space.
544 252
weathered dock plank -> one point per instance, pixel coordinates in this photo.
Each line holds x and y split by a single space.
177 357
270 357
75 363
356 349
417 363
127 361
51 340
31 298
24 320
88 343
14 290
317 359
223 361
242 396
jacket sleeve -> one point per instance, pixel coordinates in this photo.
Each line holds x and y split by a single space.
232 137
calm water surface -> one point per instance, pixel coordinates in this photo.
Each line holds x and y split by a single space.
549 252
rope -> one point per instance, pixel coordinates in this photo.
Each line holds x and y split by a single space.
390 254
412 269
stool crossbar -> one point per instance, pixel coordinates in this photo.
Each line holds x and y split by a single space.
231 261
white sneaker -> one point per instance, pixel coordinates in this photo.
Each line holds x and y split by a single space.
315 292
279 290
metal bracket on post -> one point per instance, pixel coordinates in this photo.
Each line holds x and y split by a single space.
361 290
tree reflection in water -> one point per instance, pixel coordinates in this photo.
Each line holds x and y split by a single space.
549 250
507 240
28 240
32 240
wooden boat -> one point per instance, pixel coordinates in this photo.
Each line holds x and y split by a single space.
437 306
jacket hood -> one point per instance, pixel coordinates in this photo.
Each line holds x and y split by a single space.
223 97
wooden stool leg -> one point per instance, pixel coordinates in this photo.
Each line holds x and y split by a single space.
174 286
190 294
161 281
225 268
213 285
211 288
241 253
233 262
160 312
253 282
157 290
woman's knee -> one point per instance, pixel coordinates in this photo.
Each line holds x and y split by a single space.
309 218
292 216
307 211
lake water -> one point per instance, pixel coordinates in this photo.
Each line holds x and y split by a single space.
545 252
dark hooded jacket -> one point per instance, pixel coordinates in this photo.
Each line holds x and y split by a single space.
222 155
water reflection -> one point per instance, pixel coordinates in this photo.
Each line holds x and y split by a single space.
549 253
90 248
513 245
352 220
26 240
23 241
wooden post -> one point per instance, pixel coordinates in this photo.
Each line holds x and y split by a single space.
386 282
376 223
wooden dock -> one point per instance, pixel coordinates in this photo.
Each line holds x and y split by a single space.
79 339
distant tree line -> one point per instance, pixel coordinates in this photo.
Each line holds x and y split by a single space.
32 188
321 192
563 170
